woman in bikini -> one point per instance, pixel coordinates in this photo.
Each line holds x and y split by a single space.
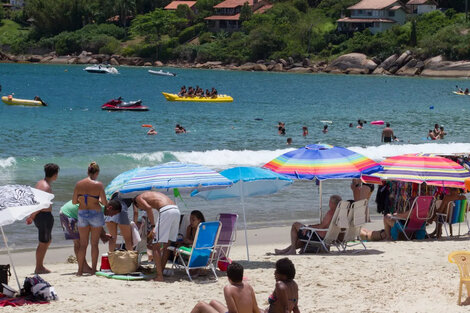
285 297
89 194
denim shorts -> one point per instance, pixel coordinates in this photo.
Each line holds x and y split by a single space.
90 218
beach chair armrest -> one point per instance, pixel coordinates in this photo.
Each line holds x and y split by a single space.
396 218
313 229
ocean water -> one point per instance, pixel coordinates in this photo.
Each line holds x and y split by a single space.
73 131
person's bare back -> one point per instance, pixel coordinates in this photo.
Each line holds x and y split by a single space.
44 186
240 298
156 200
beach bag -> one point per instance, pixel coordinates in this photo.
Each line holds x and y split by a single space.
123 262
36 288
4 274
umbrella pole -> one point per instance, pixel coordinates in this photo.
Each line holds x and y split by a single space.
11 260
320 199
244 220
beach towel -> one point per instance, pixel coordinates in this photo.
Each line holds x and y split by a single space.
18 301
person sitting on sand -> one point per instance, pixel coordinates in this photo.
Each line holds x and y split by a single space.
239 295
152 132
454 195
285 297
195 219
296 233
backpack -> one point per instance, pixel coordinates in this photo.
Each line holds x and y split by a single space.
37 288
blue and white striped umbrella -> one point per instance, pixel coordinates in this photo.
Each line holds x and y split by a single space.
165 177
119 181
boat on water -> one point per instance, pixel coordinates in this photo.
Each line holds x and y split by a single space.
119 105
162 73
23 102
175 97
460 93
101 69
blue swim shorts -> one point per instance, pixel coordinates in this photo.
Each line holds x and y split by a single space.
90 218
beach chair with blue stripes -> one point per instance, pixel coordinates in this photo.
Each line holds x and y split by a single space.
456 214
201 255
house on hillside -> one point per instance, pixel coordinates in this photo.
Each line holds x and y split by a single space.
174 5
376 15
17 4
421 6
227 14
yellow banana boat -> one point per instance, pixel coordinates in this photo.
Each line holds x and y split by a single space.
25 102
174 97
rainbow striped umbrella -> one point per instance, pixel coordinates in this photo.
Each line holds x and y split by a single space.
424 168
323 162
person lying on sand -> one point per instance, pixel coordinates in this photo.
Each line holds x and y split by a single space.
296 233
239 295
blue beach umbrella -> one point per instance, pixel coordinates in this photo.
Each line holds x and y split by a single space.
247 182
119 181
166 177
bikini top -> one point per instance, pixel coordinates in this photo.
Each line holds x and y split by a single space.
85 196
272 299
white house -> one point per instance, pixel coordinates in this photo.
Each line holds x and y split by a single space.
421 6
376 15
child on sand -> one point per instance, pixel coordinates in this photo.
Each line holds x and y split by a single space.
239 295
285 296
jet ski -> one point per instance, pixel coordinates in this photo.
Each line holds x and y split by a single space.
119 105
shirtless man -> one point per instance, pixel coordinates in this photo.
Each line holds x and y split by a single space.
43 219
360 190
164 218
239 295
387 133
297 233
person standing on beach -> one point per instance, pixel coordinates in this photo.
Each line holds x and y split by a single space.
43 219
89 193
164 218
387 134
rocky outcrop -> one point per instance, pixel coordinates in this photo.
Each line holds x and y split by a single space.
300 70
278 67
437 67
352 63
260 67
247 66
385 65
412 68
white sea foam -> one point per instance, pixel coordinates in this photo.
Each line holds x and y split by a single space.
378 153
8 162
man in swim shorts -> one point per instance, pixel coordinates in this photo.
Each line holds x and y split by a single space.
43 219
387 133
164 218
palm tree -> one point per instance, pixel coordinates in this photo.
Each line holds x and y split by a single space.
124 8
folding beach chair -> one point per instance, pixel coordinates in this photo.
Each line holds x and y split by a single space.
415 222
201 254
456 214
338 226
227 236
357 216
462 260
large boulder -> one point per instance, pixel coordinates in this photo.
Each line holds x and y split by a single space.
412 68
59 60
46 59
158 63
83 59
72 60
385 65
278 67
300 70
260 67
247 66
438 67
404 58
35 58
115 62
352 62
283 62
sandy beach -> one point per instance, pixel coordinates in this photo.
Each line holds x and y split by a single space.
388 277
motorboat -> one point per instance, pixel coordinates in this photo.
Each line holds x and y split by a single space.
101 69
162 73
119 105
24 102
218 98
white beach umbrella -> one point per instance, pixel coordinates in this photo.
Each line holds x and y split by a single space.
18 202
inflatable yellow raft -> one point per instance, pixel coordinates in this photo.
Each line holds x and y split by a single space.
461 93
174 97
15 101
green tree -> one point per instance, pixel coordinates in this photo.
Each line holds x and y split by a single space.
2 14
125 9
183 11
413 36
245 13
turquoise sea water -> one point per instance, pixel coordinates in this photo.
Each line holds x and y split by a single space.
73 130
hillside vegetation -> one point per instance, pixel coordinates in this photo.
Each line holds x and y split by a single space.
294 28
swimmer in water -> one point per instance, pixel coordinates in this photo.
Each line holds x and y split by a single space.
289 141
304 131
152 131
325 129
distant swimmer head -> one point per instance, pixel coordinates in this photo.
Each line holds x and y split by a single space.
258 119
388 124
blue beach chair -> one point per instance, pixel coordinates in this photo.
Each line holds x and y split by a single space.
201 255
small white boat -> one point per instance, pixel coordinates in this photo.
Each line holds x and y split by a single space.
101 69
162 73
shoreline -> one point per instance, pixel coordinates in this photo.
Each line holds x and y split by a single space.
414 276
405 64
